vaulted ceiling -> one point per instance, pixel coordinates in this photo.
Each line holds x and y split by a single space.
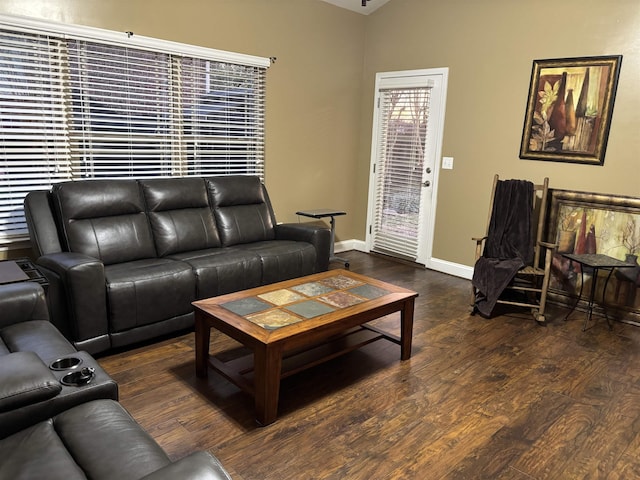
356 5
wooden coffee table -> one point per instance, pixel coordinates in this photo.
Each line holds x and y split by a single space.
296 324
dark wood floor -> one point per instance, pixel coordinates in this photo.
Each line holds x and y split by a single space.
499 399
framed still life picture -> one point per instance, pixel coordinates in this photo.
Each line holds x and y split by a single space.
569 109
584 222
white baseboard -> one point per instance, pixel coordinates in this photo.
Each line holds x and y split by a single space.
455 269
444 266
347 245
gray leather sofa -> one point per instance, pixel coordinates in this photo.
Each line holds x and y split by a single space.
126 258
97 440
30 391
55 431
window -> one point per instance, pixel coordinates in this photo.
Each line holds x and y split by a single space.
79 103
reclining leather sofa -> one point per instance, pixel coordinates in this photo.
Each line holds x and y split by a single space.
30 391
126 258
55 431
97 440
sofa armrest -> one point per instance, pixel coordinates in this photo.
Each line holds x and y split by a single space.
77 295
25 380
199 465
317 235
22 302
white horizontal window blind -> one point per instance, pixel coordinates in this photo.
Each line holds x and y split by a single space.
223 115
33 133
72 107
401 146
120 111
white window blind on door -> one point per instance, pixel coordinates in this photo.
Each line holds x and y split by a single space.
79 103
403 120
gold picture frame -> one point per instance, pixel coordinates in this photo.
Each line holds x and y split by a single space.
581 222
569 109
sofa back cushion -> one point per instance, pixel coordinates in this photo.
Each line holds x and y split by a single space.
180 215
242 209
104 219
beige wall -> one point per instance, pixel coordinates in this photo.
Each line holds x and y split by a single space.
489 47
320 90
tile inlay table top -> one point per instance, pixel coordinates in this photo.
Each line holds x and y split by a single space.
282 321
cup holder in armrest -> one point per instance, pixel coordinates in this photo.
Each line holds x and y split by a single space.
65 363
79 377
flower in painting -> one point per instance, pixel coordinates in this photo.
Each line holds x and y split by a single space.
548 95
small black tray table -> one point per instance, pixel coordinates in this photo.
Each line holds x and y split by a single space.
324 213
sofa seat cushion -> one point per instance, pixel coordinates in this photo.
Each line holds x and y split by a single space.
223 270
97 440
148 291
38 336
283 259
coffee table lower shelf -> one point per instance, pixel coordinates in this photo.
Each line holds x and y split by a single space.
239 371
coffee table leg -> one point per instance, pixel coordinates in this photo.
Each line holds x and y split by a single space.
406 333
267 366
203 334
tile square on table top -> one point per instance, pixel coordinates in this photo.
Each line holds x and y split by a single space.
340 282
273 319
310 308
341 299
369 291
312 289
246 306
281 297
